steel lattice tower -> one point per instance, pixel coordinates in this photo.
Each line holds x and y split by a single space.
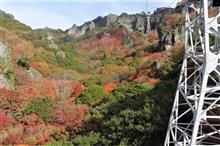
195 117
148 29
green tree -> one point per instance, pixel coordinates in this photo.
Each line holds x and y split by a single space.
91 94
42 107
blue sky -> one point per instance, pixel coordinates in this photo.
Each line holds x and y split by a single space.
64 13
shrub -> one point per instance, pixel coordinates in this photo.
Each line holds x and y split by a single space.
89 140
24 62
128 117
115 73
59 143
42 107
91 94
10 74
129 90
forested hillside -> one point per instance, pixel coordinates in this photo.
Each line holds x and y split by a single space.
103 83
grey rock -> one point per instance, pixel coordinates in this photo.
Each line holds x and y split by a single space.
3 81
34 73
6 67
167 38
61 54
159 15
133 22
140 24
110 19
127 21
53 45
76 32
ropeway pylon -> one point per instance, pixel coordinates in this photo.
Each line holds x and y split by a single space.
148 29
195 117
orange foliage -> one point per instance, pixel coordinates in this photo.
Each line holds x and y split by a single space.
78 88
174 19
151 81
155 57
153 36
41 67
50 88
18 46
108 88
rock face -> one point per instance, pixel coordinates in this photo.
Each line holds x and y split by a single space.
6 68
169 38
168 34
134 23
127 21
76 31
159 15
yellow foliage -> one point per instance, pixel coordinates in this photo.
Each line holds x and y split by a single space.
115 73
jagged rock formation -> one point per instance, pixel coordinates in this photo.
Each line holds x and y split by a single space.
6 67
76 32
133 23
168 38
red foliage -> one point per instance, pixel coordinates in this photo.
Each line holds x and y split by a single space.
4 121
50 88
31 119
113 40
108 88
69 115
8 93
11 139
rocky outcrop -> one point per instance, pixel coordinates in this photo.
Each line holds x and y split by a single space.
159 15
127 21
105 21
6 68
168 38
170 31
76 31
134 23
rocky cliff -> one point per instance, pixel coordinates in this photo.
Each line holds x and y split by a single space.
133 22
136 23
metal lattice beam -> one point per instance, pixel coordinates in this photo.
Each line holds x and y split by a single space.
195 117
